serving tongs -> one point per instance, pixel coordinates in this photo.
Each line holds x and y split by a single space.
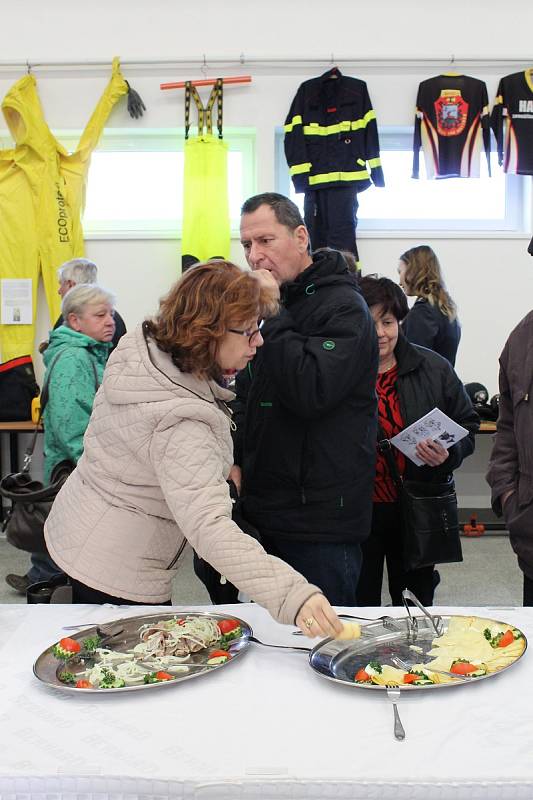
390 623
412 622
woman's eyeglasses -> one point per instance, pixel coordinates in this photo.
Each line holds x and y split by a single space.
252 335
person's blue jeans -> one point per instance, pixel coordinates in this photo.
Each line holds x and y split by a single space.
42 568
333 567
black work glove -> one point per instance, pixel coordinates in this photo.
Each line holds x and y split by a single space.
135 103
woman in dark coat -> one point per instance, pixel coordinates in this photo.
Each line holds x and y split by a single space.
411 382
432 321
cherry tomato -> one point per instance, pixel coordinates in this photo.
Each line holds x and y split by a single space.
164 676
410 678
362 676
463 668
227 625
506 639
70 645
219 654
84 685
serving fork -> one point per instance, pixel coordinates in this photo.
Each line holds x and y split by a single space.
393 693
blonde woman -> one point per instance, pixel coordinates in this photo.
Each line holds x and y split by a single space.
432 321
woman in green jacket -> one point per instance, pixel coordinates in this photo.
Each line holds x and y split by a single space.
75 360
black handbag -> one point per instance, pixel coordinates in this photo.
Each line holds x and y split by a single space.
429 515
220 590
31 501
17 389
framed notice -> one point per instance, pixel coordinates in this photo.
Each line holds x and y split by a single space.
16 301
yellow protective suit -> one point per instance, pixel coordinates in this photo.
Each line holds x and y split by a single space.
42 197
206 221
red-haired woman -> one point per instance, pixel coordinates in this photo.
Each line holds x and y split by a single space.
157 454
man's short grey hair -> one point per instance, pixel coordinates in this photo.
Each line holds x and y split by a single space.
78 270
286 212
77 299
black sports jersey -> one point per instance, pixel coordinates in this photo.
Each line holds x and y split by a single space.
512 122
452 115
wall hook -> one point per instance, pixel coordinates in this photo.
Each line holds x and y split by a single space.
28 67
241 58
203 68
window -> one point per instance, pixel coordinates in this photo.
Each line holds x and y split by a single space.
136 181
135 186
453 204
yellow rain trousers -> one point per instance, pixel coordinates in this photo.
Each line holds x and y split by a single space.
42 197
206 220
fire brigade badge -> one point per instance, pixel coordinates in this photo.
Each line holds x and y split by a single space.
451 112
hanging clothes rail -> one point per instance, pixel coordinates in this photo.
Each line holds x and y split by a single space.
278 62
207 82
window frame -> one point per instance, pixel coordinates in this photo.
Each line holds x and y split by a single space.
154 140
396 137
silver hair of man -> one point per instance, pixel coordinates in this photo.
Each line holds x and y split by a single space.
83 295
78 270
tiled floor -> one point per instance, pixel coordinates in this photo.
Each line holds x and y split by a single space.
488 576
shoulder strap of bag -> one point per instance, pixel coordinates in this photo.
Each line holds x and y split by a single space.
45 396
44 400
385 448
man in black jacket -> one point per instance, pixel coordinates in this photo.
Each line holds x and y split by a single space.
305 408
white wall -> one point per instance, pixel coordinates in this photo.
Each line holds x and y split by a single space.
491 278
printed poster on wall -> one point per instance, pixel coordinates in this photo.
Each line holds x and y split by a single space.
16 308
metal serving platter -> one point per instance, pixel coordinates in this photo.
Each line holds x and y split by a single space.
340 660
47 667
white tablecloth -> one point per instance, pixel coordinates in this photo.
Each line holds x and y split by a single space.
264 727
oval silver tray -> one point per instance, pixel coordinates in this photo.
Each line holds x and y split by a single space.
47 667
340 660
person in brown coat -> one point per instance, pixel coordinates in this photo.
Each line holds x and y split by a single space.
510 473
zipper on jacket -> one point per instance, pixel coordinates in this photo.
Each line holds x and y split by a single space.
304 499
227 411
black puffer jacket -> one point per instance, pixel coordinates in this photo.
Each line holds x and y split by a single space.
427 381
306 411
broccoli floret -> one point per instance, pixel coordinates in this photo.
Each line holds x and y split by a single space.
91 643
67 677
375 665
110 681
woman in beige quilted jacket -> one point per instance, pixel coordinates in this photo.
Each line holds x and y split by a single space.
157 454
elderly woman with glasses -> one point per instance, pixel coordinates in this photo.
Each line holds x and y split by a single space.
158 452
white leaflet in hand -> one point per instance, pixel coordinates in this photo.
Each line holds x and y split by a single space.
434 425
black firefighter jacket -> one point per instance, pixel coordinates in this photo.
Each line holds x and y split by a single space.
331 135
306 411
426 381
